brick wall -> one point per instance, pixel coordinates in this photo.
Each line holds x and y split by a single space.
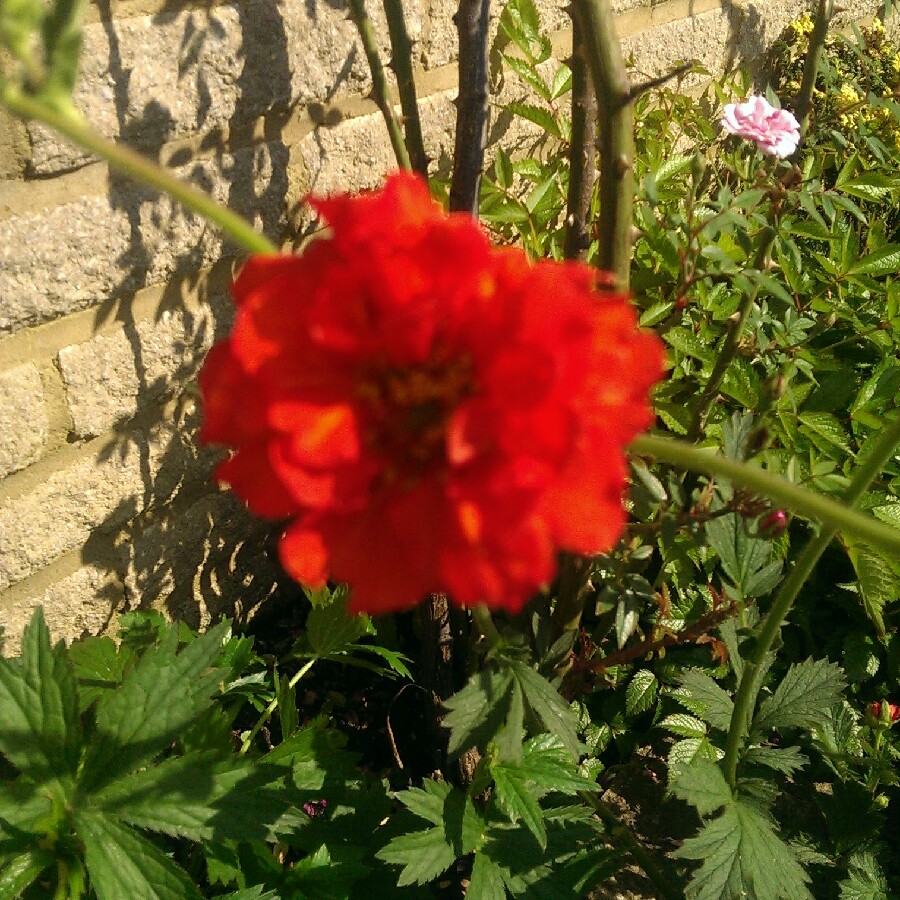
110 295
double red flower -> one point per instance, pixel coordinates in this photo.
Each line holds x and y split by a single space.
432 413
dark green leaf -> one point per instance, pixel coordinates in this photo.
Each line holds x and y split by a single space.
331 629
878 583
804 698
99 667
21 871
518 802
479 710
122 864
424 855
704 698
782 759
486 882
702 784
551 710
641 692
159 698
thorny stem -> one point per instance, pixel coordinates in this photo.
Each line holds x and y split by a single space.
804 503
811 64
582 151
471 106
730 345
273 705
138 167
622 833
748 690
401 63
380 89
616 120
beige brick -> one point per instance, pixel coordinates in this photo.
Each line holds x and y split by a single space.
147 79
200 564
81 604
108 378
102 249
100 493
24 425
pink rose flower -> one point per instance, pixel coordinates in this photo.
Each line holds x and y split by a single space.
775 131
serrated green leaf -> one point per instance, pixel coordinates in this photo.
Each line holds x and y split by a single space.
159 699
782 759
449 808
541 116
860 658
684 725
479 710
486 882
705 698
331 629
99 667
656 313
879 585
39 724
424 855
702 784
688 343
518 802
866 880
804 698
529 75
744 558
742 857
551 710
547 764
641 692
18 873
825 426
686 752
121 863
200 797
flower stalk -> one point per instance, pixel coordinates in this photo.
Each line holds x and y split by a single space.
748 690
401 63
824 13
803 502
380 90
138 167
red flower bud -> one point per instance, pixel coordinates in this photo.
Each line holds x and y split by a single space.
874 710
773 524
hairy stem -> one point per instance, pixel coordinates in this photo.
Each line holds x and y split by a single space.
380 90
616 121
730 344
401 63
582 151
748 690
138 167
803 502
471 106
811 64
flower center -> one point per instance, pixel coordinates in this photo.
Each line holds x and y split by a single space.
410 408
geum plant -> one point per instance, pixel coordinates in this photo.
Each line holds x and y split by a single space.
437 416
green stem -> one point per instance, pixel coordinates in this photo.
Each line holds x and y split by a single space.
730 344
811 64
621 832
401 63
748 690
481 616
803 502
138 167
380 89
616 120
273 705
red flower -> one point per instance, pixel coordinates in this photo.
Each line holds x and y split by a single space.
431 412
893 710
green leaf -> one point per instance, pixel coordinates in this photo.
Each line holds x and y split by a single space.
518 802
330 630
199 797
641 692
537 114
547 764
449 808
160 698
703 785
878 583
742 857
804 698
424 855
122 864
685 753
18 873
782 759
705 698
480 710
486 882
99 667
62 50
39 724
542 699
744 558
689 344
866 880
684 725
825 426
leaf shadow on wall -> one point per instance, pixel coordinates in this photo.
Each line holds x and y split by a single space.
177 542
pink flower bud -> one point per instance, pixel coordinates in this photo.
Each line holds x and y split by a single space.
775 131
773 524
